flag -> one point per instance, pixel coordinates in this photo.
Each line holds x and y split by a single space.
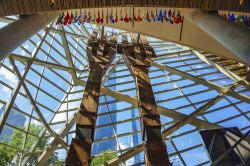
121 17
139 18
177 18
245 20
80 18
157 18
153 16
161 16
148 17
98 19
232 17
71 18
107 17
111 18
102 18
59 19
116 16
126 19
66 19
75 18
89 17
170 16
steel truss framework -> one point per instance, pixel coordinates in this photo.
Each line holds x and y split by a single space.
47 76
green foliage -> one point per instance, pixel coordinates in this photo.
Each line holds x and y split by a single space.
16 140
103 158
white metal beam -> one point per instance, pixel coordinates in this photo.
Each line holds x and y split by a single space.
203 82
39 113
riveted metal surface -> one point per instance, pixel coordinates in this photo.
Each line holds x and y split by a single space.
137 58
100 55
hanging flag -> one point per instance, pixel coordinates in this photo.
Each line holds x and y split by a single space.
76 17
143 15
121 17
157 18
111 18
71 18
98 19
79 18
59 19
89 17
139 18
107 16
130 17
164 15
66 19
170 16
228 16
93 20
148 17
232 17
169 13
116 16
182 19
173 15
239 19
245 19
177 18
135 18
161 16
153 16
225 15
126 19
102 18
85 17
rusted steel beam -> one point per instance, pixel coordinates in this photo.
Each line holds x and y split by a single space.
137 58
100 55
17 7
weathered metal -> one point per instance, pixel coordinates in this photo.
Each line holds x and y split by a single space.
100 55
137 58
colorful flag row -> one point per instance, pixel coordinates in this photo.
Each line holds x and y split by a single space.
170 16
241 18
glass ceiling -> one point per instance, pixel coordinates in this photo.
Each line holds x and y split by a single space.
41 91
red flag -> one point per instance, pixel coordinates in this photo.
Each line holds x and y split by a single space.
98 19
66 19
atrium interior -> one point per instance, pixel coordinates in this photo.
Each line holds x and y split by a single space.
115 83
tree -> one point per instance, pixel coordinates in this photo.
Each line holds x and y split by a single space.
16 140
103 158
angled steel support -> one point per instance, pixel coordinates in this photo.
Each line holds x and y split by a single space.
203 82
223 70
137 58
243 153
16 33
235 37
43 63
39 113
197 112
201 124
9 105
100 55
121 97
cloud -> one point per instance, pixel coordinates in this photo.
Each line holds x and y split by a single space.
62 116
23 53
8 77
